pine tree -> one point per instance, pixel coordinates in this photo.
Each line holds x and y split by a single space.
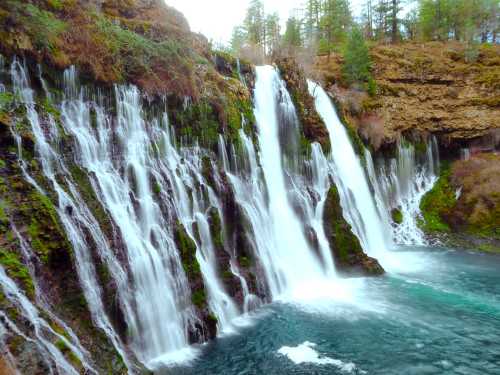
272 26
238 39
335 21
357 63
312 21
254 24
292 36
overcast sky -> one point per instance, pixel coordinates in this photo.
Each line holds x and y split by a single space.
217 18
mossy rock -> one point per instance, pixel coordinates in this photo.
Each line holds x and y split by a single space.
345 246
15 269
438 203
397 215
313 127
187 249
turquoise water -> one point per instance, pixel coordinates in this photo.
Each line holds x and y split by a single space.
440 314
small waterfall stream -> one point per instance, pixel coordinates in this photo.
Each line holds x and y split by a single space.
349 176
401 182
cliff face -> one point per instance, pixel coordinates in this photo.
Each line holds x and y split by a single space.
440 88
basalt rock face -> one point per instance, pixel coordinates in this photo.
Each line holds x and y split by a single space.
313 126
447 89
464 206
349 256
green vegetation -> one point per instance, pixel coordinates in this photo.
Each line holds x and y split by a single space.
215 223
357 62
438 203
343 241
397 216
17 270
245 262
141 52
61 345
199 298
187 249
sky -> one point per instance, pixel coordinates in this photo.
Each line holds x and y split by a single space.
217 18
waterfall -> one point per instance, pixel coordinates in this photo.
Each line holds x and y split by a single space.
125 188
401 182
286 250
128 161
72 210
356 199
125 181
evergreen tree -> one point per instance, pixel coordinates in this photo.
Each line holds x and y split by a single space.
335 22
292 36
238 39
254 24
273 36
312 21
357 63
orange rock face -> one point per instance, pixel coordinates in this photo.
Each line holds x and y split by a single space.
433 87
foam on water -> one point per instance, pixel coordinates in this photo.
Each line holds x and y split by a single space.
305 353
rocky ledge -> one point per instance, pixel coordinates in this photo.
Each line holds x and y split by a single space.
448 89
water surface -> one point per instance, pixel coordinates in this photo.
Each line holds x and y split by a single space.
439 314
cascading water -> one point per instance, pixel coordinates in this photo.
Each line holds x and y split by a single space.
125 189
122 178
290 251
356 199
73 213
401 183
148 187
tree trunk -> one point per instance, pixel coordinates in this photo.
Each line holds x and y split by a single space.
394 21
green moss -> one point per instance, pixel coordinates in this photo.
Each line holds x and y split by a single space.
245 262
215 223
212 318
17 270
68 353
85 187
199 121
187 249
199 298
47 237
397 216
43 26
438 203
489 248
343 241
134 52
420 147
6 101
486 223
156 188
357 143
4 219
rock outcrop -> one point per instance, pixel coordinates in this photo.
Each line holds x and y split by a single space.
313 127
440 88
350 259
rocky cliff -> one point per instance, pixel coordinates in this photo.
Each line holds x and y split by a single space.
447 89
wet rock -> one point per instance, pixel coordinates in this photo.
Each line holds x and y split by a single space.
350 259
